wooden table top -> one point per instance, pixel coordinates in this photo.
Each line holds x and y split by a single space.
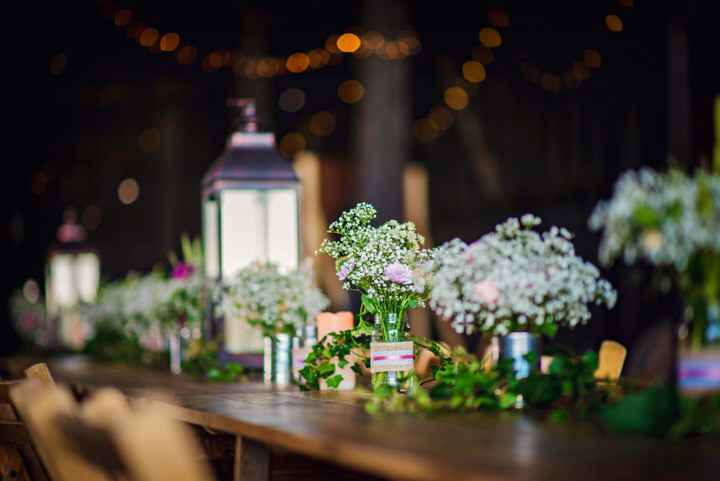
334 427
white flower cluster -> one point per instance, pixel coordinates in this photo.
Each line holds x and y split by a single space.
514 279
386 263
663 218
276 301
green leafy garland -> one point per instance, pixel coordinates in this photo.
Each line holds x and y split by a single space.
569 390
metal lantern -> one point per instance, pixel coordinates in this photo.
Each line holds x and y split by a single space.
72 277
249 213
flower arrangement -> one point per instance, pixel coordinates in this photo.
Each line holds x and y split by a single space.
670 220
515 279
386 264
277 302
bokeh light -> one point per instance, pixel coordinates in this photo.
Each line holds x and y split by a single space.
292 144
456 98
424 131
148 37
351 91
614 23
440 117
322 123
186 55
58 63
169 42
297 62
150 140
580 70
592 58
348 42
128 191
123 17
31 291
490 37
91 216
473 71
291 100
498 18
482 54
134 30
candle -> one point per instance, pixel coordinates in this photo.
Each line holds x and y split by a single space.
327 323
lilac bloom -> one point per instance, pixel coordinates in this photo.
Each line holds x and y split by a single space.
399 273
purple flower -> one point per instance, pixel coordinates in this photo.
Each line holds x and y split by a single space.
182 271
399 273
345 270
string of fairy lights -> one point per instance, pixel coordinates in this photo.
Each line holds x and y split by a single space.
361 45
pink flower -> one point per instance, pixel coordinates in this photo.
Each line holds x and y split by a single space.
486 291
182 271
345 270
399 273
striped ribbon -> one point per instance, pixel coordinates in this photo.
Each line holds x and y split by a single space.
391 356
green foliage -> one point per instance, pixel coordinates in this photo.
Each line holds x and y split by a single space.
111 344
203 362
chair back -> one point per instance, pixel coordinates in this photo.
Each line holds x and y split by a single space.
611 358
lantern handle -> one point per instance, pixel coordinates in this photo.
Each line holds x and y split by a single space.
248 120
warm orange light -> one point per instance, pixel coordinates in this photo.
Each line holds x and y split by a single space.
58 63
267 67
374 39
297 62
148 37
331 44
150 140
592 58
571 80
348 42
482 54
456 98
490 37
614 23
128 191
169 42
411 39
440 117
351 91
498 18
322 123
123 17
292 144
91 216
318 58
392 50
473 71
424 131
250 68
215 59
580 70
186 55
627 3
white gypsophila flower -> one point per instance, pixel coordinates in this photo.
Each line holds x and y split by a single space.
276 301
516 279
387 263
664 218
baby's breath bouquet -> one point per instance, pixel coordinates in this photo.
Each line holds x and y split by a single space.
276 301
386 264
671 221
515 279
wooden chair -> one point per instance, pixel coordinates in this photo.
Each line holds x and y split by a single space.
137 442
18 457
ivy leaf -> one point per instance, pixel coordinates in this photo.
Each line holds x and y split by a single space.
335 381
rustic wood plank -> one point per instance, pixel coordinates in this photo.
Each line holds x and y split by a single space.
334 428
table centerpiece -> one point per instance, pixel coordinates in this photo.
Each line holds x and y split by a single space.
280 304
516 284
389 268
670 221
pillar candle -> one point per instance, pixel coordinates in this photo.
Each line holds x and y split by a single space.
327 323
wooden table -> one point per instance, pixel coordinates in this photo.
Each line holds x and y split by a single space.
332 427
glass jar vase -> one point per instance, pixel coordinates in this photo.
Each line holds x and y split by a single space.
391 351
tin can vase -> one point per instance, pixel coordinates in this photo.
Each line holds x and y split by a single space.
515 346
277 359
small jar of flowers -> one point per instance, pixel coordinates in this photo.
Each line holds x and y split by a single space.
390 269
515 280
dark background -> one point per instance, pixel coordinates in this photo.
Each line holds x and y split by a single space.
551 153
